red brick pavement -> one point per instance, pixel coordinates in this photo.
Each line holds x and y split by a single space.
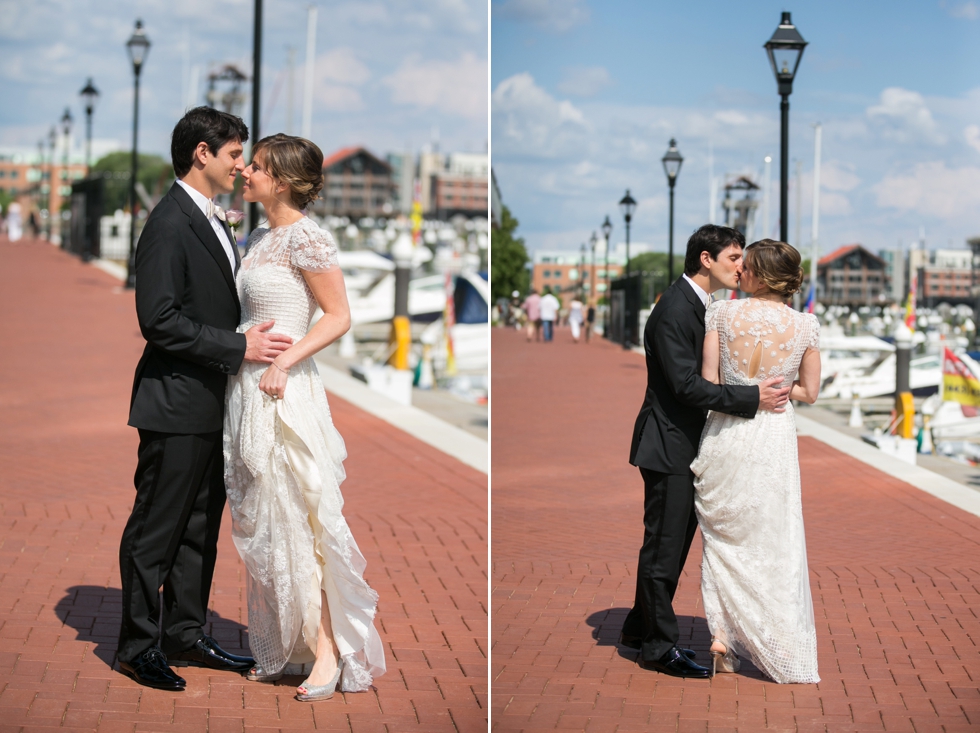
894 573
70 343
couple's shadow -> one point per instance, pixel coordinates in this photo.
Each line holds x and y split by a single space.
95 613
694 634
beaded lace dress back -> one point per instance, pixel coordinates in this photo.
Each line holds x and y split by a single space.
283 470
754 578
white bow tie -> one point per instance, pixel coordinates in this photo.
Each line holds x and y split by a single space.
215 210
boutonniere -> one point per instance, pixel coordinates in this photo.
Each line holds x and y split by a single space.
234 218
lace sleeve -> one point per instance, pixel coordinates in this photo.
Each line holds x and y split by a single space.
814 341
713 315
313 249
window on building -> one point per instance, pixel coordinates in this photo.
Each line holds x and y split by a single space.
3 174
573 274
13 174
600 288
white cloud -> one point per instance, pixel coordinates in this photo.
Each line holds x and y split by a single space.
972 135
531 121
585 81
903 116
557 16
337 73
457 87
932 189
968 10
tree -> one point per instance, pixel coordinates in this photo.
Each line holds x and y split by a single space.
154 173
508 259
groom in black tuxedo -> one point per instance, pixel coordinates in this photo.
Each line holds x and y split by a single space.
188 311
667 435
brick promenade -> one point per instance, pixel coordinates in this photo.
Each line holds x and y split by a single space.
894 572
70 342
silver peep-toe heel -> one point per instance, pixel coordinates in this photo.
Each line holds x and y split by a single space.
257 674
321 692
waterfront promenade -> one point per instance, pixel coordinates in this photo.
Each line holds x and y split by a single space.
70 345
894 573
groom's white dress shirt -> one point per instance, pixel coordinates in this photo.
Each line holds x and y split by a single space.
202 202
705 297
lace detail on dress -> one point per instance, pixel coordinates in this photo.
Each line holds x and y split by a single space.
755 582
302 244
760 339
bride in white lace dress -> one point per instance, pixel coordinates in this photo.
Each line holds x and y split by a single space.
754 578
307 598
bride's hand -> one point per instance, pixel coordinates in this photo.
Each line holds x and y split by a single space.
273 381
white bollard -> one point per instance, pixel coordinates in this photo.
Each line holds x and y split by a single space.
857 419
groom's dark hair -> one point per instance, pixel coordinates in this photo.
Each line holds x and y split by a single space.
712 239
203 125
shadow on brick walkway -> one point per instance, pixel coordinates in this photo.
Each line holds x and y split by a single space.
70 343
894 574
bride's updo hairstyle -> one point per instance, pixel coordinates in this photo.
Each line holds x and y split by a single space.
296 162
776 264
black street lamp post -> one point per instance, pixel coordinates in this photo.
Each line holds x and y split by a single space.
581 271
40 186
592 241
52 143
91 95
672 161
627 205
138 46
66 121
606 232
785 50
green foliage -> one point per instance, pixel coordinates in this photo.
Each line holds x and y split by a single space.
508 259
650 262
5 200
155 173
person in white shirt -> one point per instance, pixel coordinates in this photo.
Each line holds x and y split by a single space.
549 312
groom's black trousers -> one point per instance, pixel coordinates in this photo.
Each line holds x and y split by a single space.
669 524
170 540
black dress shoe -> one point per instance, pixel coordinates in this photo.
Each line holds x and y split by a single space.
634 642
207 653
676 664
151 670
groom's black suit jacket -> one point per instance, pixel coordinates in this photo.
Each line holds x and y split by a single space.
668 429
188 310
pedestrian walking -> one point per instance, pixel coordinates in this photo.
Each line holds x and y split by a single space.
549 313
589 321
576 317
532 309
14 229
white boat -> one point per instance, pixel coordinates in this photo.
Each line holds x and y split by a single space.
370 282
878 379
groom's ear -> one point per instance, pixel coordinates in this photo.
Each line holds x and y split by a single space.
706 260
201 153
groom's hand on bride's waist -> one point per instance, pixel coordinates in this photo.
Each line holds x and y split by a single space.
772 396
262 346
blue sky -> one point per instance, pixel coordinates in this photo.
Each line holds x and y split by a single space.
586 95
388 72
